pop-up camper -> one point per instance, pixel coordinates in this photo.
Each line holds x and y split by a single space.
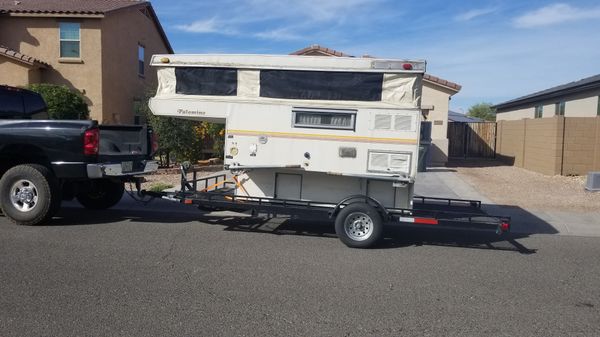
301 127
306 131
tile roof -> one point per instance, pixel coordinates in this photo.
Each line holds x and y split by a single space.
588 83
89 7
317 49
15 55
79 7
454 116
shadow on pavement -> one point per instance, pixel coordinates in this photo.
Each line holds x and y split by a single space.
523 225
395 237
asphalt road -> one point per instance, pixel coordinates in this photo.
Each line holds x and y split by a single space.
166 270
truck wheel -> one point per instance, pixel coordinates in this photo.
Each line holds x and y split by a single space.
29 194
100 193
359 225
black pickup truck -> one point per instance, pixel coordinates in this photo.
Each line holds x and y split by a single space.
43 162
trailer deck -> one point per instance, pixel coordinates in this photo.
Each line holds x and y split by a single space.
217 193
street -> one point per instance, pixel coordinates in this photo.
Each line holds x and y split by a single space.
169 270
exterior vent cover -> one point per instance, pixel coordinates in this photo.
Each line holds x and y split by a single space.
405 123
389 162
593 181
383 122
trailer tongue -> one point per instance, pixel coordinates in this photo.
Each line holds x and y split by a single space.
334 137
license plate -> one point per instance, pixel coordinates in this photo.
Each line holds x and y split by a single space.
127 166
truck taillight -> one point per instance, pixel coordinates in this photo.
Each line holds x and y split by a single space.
154 140
91 142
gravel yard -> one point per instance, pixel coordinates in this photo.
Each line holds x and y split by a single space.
171 177
509 185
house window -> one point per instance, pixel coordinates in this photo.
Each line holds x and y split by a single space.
69 39
539 110
324 118
559 108
140 60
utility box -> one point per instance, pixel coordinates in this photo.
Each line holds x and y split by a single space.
593 182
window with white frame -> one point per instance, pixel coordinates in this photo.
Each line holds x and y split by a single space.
141 51
70 40
539 111
559 108
324 118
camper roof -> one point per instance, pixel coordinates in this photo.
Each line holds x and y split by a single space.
289 62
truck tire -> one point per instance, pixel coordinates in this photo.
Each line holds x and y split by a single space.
359 225
29 194
100 193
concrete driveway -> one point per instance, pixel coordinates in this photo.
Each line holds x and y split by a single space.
445 182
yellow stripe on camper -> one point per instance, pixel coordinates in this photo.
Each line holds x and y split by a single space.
321 137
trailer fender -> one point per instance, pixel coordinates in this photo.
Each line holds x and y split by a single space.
385 215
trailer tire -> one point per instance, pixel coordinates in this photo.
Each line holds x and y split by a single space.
359 225
100 193
29 194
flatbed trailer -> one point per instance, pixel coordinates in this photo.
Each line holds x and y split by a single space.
359 219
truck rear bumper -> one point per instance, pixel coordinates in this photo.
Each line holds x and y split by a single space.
106 170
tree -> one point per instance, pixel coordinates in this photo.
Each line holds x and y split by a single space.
62 102
483 111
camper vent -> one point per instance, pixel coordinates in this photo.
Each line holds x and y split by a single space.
593 181
383 122
394 122
389 162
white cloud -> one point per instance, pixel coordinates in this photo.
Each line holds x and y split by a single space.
555 14
280 34
211 25
257 18
474 13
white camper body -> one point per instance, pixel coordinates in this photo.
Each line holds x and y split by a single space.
303 127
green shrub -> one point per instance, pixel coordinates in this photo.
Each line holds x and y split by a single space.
62 102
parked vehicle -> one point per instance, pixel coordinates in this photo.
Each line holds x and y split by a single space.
43 162
308 134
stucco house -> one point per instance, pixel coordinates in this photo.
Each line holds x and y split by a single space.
576 99
100 48
437 93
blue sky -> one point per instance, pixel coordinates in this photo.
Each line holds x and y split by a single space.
497 50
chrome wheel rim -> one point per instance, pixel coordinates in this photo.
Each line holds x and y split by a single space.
358 226
24 195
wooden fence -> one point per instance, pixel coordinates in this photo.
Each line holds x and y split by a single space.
468 140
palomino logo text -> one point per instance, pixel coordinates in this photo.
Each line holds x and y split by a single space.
190 112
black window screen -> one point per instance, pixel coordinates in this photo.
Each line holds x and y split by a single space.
206 81
321 85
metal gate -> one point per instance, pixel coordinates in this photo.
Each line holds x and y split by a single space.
467 140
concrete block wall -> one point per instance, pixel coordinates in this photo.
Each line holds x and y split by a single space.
539 145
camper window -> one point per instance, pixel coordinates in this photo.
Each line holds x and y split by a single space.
327 119
321 85
206 81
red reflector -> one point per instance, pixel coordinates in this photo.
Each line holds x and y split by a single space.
187 201
407 66
154 142
505 226
426 221
91 142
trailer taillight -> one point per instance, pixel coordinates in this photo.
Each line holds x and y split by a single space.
91 142
407 66
154 142
505 226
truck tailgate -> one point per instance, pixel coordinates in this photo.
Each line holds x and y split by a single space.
124 142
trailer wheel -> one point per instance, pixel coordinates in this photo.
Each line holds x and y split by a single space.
359 225
29 194
100 193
